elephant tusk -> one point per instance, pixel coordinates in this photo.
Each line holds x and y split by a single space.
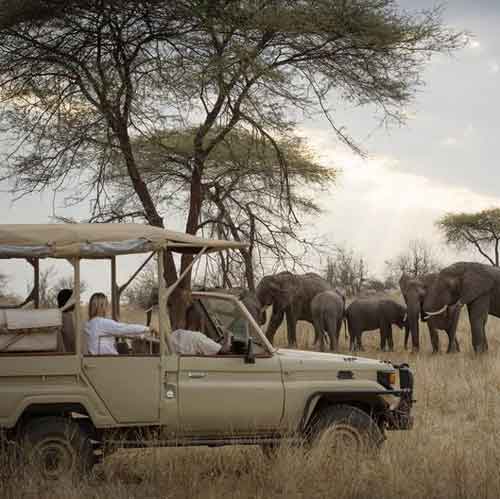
405 317
439 312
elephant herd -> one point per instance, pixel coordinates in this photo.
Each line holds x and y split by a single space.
311 298
436 299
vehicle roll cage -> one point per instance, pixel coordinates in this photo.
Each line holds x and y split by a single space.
76 245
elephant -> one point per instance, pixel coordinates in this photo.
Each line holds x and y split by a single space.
290 295
414 290
247 297
476 285
369 314
327 309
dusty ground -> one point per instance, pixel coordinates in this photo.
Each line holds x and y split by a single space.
454 450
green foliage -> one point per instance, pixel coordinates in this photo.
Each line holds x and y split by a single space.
240 166
480 231
76 85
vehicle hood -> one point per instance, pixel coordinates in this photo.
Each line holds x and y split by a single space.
308 360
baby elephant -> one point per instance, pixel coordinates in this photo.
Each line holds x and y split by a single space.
327 310
369 314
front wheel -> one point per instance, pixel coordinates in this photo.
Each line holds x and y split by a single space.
57 447
345 428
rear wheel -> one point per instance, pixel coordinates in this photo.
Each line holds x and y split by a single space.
345 428
57 447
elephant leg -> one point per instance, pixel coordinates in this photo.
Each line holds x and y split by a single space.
386 336
383 338
334 340
291 323
353 339
451 331
478 316
453 345
434 335
274 324
360 343
319 334
332 329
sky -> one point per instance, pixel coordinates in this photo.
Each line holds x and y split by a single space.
443 160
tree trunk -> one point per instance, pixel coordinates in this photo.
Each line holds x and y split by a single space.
195 203
142 191
249 272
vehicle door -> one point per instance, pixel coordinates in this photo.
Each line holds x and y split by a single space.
223 394
128 385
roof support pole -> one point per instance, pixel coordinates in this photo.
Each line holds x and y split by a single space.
79 346
115 295
164 319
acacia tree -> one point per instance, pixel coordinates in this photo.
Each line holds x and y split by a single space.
480 231
78 84
243 195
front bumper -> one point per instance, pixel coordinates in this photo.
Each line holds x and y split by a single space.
401 418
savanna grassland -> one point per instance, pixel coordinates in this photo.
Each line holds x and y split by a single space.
453 451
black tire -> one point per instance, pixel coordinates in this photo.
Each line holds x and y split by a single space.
57 447
345 428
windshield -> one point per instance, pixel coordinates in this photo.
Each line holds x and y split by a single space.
225 314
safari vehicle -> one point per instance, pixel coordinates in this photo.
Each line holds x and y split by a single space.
60 408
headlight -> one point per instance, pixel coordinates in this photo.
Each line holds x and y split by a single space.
386 378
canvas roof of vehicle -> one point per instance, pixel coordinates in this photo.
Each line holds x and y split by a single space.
98 240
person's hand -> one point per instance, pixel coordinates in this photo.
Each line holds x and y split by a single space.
153 331
227 341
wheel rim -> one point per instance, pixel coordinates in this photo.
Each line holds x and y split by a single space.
54 458
342 437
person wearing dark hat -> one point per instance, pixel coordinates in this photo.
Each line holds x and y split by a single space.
68 327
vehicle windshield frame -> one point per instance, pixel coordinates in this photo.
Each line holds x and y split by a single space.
243 310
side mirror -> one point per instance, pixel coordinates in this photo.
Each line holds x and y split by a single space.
250 355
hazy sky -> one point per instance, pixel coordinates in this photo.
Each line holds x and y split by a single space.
444 159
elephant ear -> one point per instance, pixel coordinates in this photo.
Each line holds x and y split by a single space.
475 283
279 294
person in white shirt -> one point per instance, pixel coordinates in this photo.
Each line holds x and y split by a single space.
100 331
190 342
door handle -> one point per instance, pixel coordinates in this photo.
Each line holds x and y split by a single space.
89 366
197 374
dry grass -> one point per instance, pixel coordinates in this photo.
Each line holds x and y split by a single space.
454 450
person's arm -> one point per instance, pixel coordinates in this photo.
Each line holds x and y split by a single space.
109 326
207 346
226 344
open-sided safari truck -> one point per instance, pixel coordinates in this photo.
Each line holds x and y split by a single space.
61 408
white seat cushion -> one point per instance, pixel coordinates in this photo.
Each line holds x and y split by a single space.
31 319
